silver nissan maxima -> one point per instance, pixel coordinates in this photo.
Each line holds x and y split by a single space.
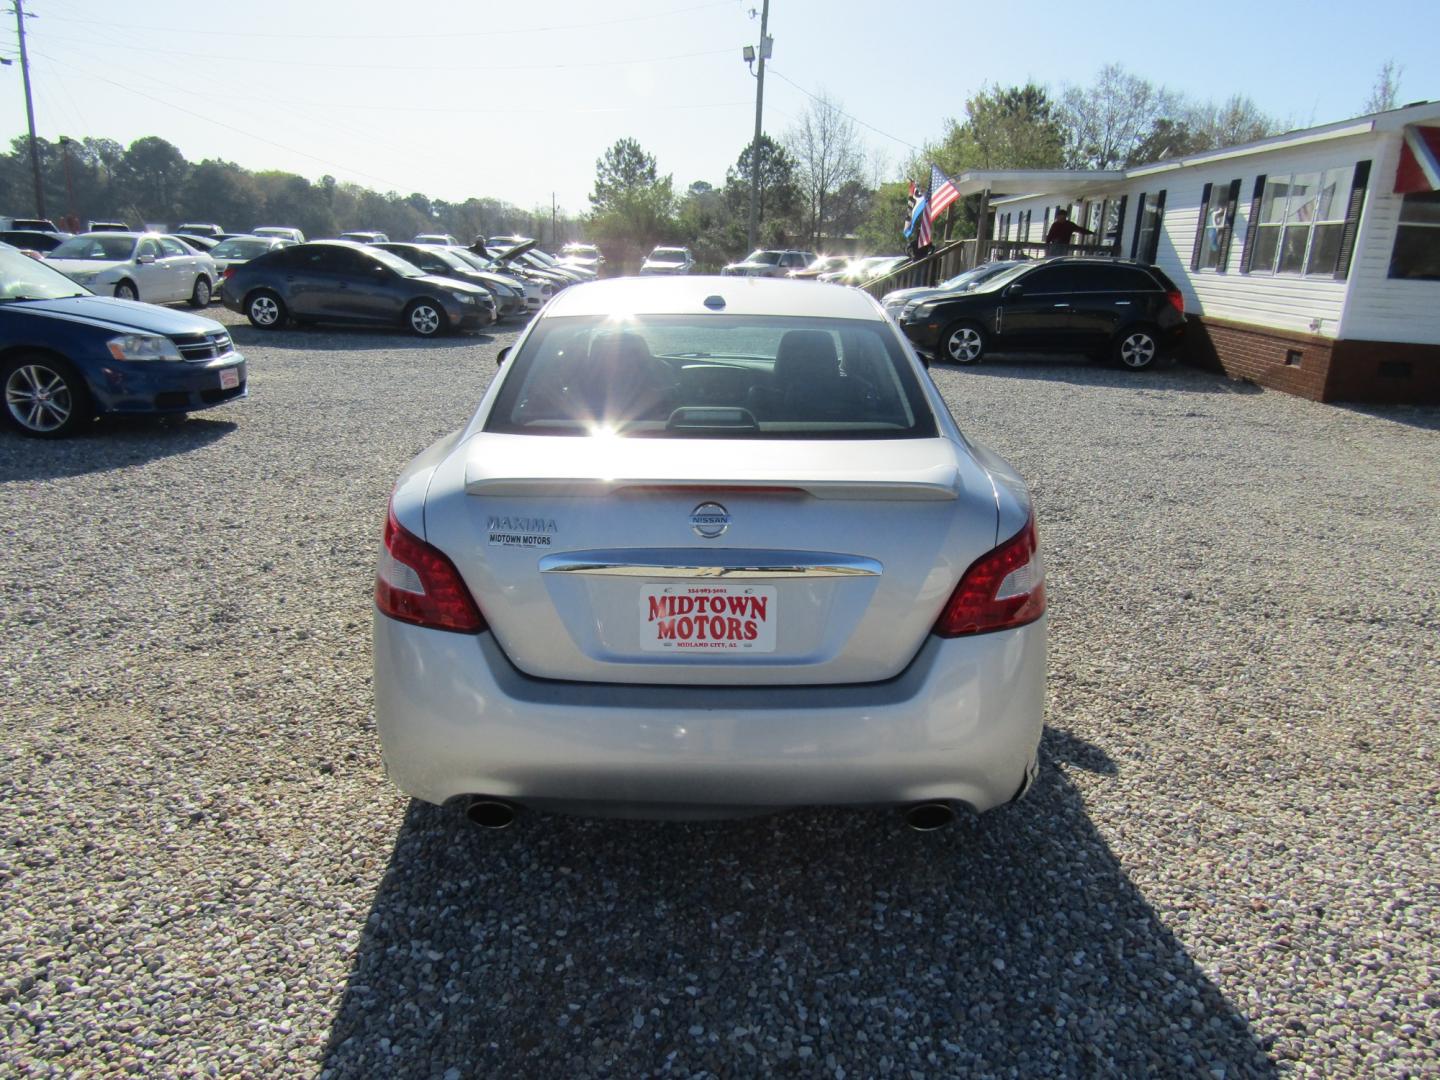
710 547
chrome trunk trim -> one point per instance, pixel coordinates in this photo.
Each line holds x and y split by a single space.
734 564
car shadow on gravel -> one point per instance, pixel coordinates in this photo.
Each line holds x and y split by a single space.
781 945
1168 375
352 339
112 442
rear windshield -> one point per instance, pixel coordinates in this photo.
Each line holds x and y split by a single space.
240 249
715 376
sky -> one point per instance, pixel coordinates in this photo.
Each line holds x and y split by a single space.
516 101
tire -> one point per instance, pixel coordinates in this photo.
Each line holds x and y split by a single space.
425 318
265 310
200 297
1136 348
962 343
126 290
45 398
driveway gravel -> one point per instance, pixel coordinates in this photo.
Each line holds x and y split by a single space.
1230 866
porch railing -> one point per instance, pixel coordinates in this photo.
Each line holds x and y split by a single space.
940 264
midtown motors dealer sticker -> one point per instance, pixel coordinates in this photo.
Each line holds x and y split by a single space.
707 618
520 531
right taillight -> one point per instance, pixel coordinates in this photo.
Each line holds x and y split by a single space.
1177 300
1002 589
416 583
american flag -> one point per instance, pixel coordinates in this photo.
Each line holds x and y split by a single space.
925 236
942 192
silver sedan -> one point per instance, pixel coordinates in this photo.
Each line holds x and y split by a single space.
710 547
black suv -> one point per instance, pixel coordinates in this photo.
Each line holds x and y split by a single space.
1125 310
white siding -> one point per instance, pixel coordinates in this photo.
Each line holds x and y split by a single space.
1378 308
1278 301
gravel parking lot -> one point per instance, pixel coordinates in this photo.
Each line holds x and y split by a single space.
1230 866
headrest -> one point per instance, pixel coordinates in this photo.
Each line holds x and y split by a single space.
806 354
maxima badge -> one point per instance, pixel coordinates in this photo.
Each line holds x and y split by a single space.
709 520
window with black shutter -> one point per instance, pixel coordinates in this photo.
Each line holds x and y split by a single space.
1217 223
1200 227
1352 218
1252 224
1298 221
1139 224
1150 244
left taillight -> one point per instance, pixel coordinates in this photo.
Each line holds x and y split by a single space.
1177 300
417 583
1004 588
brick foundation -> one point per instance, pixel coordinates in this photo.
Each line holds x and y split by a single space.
1318 368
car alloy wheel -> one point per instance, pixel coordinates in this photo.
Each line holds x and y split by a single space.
264 310
425 319
41 399
1137 350
964 345
201 296
126 291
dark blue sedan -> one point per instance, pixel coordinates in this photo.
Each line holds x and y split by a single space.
67 355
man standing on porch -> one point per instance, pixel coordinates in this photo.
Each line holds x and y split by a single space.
1058 238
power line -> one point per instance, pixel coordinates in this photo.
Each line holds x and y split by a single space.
842 112
372 66
503 110
444 34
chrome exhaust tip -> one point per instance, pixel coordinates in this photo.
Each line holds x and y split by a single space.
490 813
929 816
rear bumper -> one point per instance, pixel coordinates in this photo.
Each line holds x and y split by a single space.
962 722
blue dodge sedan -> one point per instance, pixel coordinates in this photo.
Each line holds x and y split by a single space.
67 355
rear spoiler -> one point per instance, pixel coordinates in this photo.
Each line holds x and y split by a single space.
943 485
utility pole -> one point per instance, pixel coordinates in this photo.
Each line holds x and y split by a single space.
554 236
72 224
755 145
30 110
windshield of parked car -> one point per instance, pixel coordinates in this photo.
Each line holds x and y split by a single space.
24 278
1004 277
394 262
240 249
970 278
581 251
668 255
96 247
712 376
769 258
469 258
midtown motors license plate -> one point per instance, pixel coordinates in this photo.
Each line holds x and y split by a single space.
707 618
229 378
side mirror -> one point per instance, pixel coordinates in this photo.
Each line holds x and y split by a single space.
1014 290
501 355
145 260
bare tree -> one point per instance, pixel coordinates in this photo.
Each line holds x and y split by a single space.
1108 119
829 153
1385 94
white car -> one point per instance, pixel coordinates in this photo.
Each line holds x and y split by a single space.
284 232
710 547
584 256
668 260
137 266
